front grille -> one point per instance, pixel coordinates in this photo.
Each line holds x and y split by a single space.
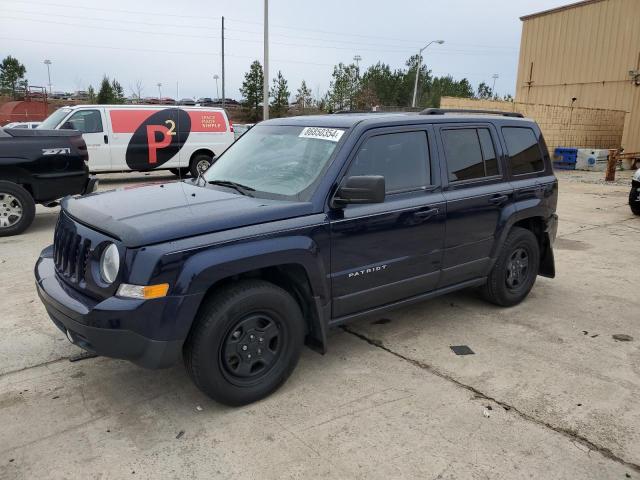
70 252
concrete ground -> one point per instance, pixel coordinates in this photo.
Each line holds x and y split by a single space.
548 393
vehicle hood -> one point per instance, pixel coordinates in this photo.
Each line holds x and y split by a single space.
148 214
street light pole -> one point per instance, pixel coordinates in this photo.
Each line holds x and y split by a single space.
47 62
160 91
216 77
265 95
415 86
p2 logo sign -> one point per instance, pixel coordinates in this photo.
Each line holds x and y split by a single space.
157 137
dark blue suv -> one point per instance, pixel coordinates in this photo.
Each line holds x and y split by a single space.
303 224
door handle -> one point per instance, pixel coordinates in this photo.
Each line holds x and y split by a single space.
106 139
427 213
498 199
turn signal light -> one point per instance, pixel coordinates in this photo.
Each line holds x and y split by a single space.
143 292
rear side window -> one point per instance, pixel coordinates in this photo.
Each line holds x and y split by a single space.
470 154
402 158
525 155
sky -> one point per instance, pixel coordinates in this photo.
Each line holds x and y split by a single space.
178 44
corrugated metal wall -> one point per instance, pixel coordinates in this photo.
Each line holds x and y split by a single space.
584 52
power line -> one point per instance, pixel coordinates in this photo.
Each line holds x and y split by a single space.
328 47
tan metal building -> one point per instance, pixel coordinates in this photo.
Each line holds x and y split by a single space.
585 54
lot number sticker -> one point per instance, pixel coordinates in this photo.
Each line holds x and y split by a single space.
331 134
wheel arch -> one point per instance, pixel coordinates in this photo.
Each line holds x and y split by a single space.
537 225
201 151
296 269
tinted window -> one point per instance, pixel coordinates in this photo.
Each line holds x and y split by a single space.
525 155
86 121
464 155
402 158
488 152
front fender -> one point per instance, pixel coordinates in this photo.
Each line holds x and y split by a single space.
207 267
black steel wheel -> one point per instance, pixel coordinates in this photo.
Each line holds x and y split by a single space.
200 163
245 342
515 270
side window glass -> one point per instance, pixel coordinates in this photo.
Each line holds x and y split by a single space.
463 153
524 152
488 152
402 158
86 121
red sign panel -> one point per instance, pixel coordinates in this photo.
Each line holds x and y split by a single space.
127 121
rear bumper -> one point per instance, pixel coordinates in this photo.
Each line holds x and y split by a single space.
91 186
101 326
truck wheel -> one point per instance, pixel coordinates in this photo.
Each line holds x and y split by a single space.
634 200
199 164
17 209
180 172
245 342
515 270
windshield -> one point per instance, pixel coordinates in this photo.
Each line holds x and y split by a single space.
277 161
54 119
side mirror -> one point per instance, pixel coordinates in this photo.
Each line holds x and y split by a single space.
360 189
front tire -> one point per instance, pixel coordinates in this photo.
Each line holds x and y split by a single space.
245 342
515 270
634 199
17 209
199 164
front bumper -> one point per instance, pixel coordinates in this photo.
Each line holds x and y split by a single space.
107 327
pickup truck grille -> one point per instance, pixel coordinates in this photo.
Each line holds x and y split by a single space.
70 253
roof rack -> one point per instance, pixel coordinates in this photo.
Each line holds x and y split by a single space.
442 111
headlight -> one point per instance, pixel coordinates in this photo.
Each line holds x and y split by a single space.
636 176
109 264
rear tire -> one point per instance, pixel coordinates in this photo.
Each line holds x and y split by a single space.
515 270
634 203
245 342
17 209
199 164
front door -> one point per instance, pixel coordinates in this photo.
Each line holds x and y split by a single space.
93 127
476 196
382 253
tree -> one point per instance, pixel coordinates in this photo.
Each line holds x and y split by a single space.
304 97
484 92
105 94
252 88
12 74
91 93
118 92
384 84
344 87
280 94
136 90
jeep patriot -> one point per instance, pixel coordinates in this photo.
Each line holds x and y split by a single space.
303 224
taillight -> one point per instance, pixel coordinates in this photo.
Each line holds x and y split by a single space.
231 127
81 146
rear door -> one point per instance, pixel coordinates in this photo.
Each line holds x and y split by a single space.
477 196
385 252
93 125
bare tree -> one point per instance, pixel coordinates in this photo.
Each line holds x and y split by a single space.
136 90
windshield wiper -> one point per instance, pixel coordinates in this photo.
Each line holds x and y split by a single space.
243 189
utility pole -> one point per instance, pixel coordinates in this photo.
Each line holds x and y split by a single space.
415 86
357 59
160 90
216 77
495 76
177 94
223 96
265 95
47 62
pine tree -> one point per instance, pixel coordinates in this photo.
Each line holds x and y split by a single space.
280 93
105 95
252 88
304 97
118 92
